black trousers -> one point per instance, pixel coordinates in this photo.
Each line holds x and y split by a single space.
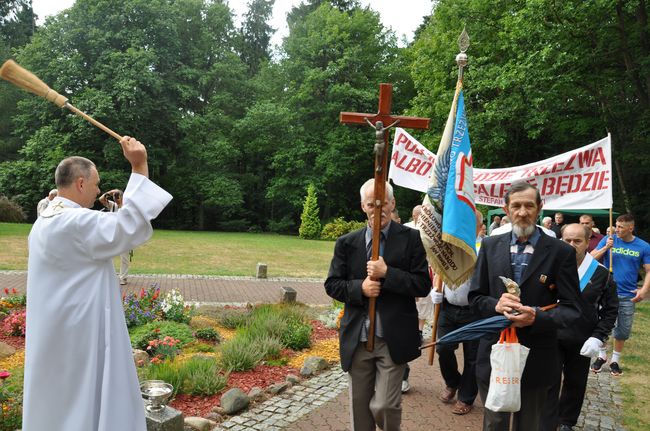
451 318
528 418
564 408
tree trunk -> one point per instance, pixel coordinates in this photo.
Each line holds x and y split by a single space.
630 65
642 19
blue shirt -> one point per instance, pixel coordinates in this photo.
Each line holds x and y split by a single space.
627 258
521 253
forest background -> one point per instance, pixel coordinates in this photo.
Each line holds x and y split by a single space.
237 132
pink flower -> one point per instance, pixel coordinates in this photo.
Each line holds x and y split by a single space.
4 374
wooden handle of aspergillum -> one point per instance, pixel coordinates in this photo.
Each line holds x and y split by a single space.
92 120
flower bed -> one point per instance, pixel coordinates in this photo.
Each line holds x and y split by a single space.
14 341
261 376
188 349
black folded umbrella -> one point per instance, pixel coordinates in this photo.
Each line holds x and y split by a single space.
474 330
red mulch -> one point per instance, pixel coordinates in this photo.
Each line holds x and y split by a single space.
320 332
261 376
17 343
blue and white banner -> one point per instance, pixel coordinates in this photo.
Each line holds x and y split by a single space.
447 223
459 219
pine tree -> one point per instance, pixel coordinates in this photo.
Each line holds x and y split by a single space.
310 226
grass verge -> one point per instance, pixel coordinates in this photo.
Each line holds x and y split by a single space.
203 253
634 381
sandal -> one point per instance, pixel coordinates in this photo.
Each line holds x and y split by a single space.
460 408
447 395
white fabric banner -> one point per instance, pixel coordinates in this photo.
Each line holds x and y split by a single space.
578 179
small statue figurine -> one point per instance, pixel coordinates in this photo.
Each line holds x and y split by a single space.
379 134
511 286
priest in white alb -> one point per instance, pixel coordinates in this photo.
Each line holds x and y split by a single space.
79 369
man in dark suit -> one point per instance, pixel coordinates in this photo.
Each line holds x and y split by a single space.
556 226
583 340
395 279
546 273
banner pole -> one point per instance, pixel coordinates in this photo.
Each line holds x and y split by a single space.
437 286
611 235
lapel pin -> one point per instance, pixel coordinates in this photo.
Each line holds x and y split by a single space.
542 279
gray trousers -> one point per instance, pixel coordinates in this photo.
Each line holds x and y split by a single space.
375 389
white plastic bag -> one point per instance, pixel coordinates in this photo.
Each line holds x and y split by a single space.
508 359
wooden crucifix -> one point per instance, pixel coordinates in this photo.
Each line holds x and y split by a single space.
382 121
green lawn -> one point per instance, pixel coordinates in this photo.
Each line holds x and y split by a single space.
207 253
635 363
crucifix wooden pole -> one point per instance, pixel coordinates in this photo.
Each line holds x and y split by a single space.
382 121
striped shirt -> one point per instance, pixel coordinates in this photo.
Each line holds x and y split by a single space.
521 253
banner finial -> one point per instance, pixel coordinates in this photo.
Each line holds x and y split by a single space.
461 58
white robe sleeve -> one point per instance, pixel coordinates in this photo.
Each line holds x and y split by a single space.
114 233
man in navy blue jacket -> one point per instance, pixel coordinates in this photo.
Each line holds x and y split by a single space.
545 270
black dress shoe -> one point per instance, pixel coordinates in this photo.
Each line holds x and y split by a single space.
564 427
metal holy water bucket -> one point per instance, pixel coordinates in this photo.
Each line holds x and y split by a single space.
156 394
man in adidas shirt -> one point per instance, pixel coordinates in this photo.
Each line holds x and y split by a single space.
629 253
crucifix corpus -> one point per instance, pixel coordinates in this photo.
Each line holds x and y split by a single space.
382 121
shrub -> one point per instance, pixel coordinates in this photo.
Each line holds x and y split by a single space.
208 334
233 225
203 348
293 312
271 347
142 343
12 301
10 211
202 377
284 225
142 335
338 227
170 372
143 308
287 323
268 324
167 348
241 353
233 318
199 322
14 323
331 318
174 308
310 226
297 336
